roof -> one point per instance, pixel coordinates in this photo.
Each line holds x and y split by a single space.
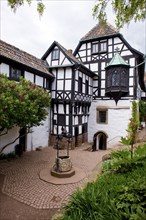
69 55
65 51
117 60
13 53
100 30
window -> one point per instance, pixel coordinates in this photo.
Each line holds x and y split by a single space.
80 85
61 120
80 119
55 54
102 116
87 87
15 73
48 84
116 78
103 46
95 48
99 47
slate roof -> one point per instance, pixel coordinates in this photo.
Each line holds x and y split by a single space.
15 54
100 30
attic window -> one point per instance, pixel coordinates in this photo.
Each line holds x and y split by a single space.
55 54
95 48
103 46
99 47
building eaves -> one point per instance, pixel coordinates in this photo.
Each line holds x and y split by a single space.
15 54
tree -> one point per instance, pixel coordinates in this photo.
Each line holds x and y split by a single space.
142 110
132 128
21 104
125 11
14 4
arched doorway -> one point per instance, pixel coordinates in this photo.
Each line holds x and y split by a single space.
100 141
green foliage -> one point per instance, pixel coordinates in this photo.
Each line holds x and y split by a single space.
113 196
14 4
142 110
132 128
125 11
123 163
7 156
22 104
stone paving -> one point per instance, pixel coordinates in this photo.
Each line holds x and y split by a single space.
22 180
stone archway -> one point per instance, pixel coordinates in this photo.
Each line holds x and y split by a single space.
100 141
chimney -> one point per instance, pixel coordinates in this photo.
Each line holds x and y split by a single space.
69 51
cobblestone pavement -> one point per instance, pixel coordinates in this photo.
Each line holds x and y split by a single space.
22 180
24 196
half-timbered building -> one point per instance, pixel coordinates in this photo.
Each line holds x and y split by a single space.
15 63
92 89
108 121
71 94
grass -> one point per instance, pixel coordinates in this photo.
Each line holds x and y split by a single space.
118 194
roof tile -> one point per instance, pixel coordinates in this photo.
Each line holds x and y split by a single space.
15 54
100 30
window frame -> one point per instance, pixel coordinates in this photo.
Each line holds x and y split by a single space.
55 54
80 81
98 110
86 87
61 120
96 47
103 50
11 68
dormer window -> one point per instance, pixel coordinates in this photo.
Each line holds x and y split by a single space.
55 54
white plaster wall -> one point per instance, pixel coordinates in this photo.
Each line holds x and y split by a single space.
8 138
39 136
4 68
118 119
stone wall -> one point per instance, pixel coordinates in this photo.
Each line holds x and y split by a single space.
83 138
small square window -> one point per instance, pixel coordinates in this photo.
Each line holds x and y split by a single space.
55 54
102 116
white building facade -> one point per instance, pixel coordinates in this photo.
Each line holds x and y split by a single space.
78 83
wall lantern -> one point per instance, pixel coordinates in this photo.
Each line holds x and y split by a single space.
117 78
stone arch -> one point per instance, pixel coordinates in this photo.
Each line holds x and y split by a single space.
100 141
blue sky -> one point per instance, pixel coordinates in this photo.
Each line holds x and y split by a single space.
63 21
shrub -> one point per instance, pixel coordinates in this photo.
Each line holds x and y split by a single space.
114 195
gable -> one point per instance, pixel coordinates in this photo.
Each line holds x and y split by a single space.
57 55
60 60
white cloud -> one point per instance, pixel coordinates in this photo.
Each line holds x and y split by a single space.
63 21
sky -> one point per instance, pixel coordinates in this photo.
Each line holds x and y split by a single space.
63 21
